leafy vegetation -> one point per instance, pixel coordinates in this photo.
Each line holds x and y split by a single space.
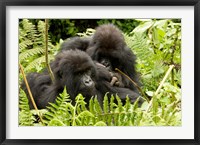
157 45
32 46
65 28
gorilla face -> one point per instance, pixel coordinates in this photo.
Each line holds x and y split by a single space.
106 62
108 47
86 80
75 70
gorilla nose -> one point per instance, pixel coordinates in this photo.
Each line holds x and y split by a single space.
88 82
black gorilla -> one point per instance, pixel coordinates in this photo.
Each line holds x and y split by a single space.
76 43
75 70
107 46
39 83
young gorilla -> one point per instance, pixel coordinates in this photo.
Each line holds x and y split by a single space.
75 70
107 47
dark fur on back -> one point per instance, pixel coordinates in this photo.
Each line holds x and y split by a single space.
75 43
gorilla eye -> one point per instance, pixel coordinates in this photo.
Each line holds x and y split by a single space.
89 72
93 75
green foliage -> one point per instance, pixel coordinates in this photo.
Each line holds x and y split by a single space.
66 28
32 46
112 113
157 44
26 118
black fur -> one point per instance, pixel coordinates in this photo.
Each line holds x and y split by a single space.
108 44
106 47
39 83
76 43
73 69
69 68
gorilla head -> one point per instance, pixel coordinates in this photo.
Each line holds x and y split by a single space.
108 47
108 38
75 70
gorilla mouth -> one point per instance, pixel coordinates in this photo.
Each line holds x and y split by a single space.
89 83
88 91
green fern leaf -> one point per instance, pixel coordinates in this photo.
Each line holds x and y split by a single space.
56 122
31 52
100 123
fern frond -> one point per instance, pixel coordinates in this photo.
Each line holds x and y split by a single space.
28 30
100 123
37 63
31 44
56 122
25 44
30 52
59 110
26 118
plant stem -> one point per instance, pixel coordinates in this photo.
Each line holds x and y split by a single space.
74 113
46 51
136 85
160 86
164 79
30 93
172 62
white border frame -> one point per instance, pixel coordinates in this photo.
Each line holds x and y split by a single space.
186 131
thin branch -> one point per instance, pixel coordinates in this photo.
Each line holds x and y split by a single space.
136 85
160 86
164 79
46 51
74 113
29 92
172 61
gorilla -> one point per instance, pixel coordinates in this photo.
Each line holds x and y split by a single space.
76 43
39 84
73 69
107 47
78 72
